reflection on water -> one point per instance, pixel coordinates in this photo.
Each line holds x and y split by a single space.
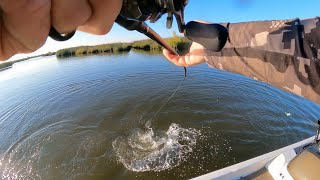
87 118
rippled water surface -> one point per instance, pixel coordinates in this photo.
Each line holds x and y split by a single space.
96 118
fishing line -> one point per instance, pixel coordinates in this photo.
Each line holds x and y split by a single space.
176 48
174 92
167 31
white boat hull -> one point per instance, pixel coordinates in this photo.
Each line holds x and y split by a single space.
275 161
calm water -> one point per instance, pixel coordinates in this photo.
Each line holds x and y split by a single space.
96 118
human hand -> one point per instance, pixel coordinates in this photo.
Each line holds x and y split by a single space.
194 57
25 24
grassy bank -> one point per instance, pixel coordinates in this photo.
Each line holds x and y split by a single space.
114 48
179 43
30 57
7 64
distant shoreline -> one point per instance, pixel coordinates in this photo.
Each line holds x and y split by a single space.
7 64
179 43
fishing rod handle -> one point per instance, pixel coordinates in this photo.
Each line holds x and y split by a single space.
211 36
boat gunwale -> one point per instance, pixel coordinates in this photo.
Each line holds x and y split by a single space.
237 170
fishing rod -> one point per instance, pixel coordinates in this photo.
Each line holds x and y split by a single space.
134 13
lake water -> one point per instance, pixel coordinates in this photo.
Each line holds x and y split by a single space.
98 117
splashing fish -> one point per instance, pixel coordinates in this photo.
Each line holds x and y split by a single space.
142 150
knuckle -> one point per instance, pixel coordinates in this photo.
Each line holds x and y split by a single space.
68 15
99 32
97 29
104 30
35 44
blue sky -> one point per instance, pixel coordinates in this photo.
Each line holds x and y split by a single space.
208 10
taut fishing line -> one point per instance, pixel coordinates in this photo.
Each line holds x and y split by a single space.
174 92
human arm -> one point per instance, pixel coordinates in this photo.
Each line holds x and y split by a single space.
25 24
284 54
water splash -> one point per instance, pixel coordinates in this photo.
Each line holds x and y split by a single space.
142 150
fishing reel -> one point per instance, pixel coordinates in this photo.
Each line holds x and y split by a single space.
134 13
152 10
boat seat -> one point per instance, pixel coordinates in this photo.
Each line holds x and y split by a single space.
305 166
262 174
